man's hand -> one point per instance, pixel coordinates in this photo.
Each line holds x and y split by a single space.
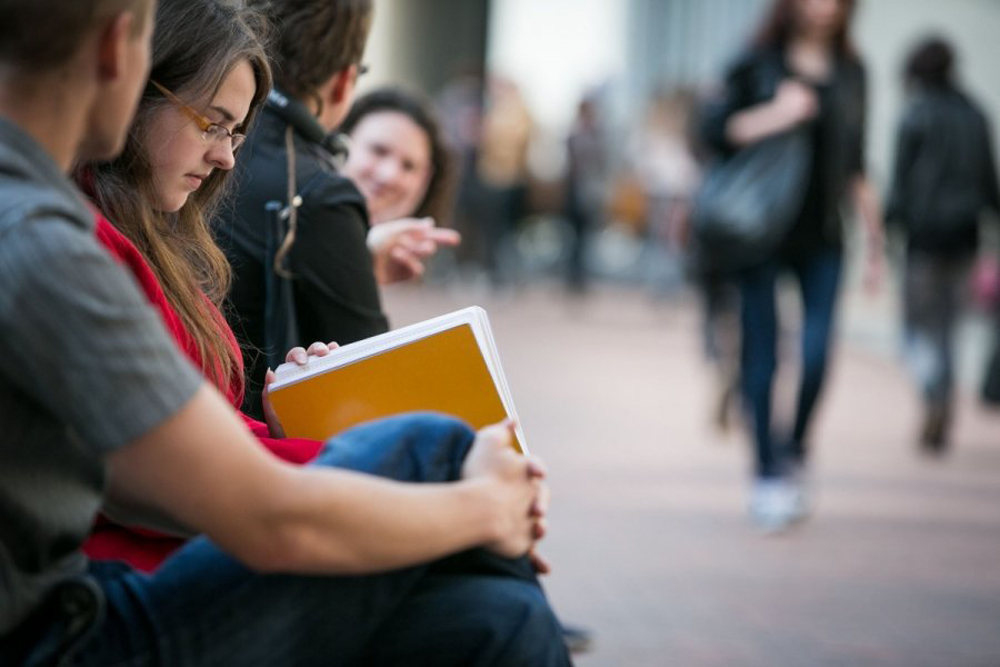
399 247
296 355
515 482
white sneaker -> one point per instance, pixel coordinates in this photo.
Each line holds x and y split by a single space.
772 504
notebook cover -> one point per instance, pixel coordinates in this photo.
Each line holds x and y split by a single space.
441 372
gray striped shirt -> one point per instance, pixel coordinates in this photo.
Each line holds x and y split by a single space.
85 367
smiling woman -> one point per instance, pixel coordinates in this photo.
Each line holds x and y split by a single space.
398 158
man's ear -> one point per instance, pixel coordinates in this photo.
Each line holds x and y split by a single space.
342 85
112 42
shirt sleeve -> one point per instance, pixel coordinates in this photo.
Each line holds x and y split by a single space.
733 96
80 339
907 143
856 158
337 297
991 186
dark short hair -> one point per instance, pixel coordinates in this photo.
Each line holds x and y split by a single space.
437 200
930 63
315 39
40 34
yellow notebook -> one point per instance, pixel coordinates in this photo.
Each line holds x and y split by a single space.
447 364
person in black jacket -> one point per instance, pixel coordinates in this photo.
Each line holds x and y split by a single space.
944 178
297 232
801 73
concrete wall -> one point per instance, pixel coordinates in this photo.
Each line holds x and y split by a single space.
423 43
557 49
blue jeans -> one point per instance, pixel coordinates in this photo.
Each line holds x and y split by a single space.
818 278
204 608
934 291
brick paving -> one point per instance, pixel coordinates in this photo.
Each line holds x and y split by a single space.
899 566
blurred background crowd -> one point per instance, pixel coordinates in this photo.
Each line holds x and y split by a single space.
577 131
575 124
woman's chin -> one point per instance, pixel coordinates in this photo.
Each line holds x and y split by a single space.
171 204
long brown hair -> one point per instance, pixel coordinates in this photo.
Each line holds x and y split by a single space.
195 45
779 24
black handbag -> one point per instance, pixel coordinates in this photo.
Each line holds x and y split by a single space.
748 203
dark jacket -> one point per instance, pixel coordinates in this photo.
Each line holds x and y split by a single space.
944 174
837 135
333 291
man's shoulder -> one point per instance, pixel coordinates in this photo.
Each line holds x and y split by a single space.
23 200
42 223
31 186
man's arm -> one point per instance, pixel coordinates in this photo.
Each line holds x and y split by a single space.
907 148
82 342
204 469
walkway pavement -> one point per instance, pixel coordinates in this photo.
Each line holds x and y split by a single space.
899 566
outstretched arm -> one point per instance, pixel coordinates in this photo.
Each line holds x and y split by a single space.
399 247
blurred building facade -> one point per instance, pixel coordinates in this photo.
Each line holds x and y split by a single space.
558 50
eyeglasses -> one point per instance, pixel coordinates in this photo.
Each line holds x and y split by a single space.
210 131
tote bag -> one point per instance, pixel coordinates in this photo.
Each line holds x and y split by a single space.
747 203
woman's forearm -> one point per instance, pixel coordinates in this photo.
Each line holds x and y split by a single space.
755 123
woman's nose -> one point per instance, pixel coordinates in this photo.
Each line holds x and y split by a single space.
387 172
221 155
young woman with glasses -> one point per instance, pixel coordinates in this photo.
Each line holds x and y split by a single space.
209 79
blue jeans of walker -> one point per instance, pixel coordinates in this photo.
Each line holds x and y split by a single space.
818 278
204 608
934 293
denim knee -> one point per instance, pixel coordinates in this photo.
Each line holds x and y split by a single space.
416 447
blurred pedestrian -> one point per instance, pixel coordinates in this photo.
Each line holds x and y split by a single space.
586 186
944 178
801 72
493 192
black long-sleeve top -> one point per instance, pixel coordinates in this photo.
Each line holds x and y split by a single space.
837 137
944 174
